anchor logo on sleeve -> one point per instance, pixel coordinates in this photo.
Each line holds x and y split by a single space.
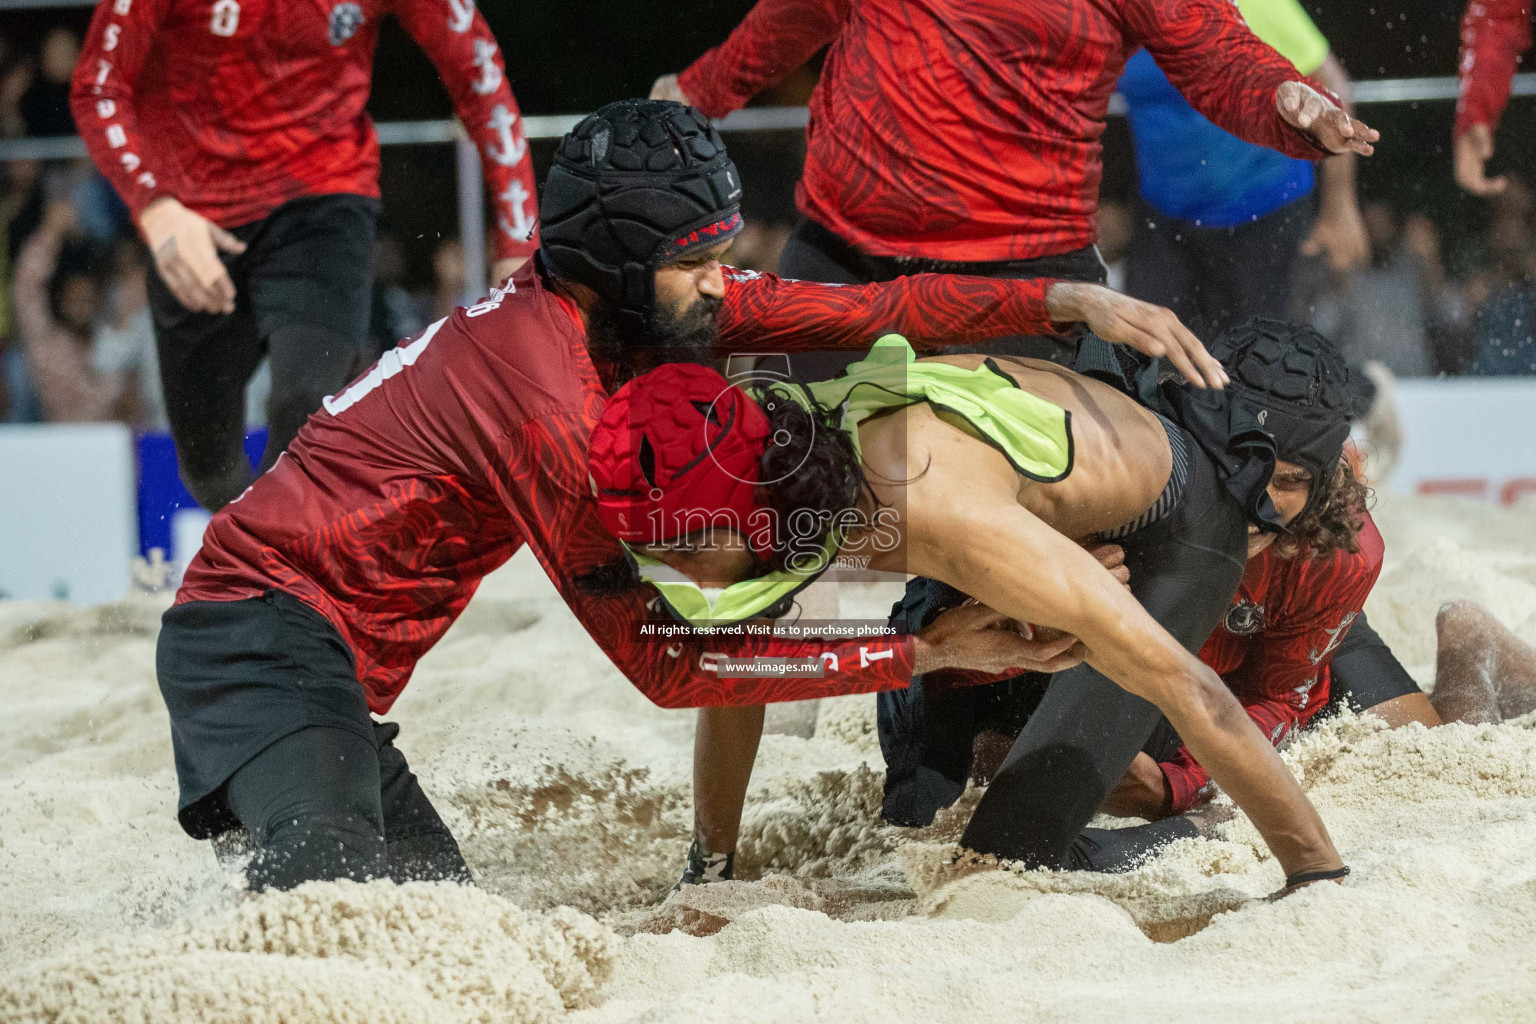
510 148
520 226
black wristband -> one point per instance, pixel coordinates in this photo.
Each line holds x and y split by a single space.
1308 877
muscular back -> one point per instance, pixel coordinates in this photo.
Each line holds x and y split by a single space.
919 459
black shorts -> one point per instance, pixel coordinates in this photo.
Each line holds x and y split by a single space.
307 262
815 253
928 730
237 676
1213 277
303 297
1365 672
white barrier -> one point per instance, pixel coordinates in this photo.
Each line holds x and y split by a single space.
68 514
69 529
552 126
1470 436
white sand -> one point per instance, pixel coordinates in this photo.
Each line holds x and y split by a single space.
567 788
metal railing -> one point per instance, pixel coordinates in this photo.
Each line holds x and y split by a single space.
552 126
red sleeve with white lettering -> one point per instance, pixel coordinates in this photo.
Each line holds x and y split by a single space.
765 312
775 38
1494 33
462 47
121 35
543 480
1283 680
1223 69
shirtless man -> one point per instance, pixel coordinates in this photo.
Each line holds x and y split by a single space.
981 474
315 594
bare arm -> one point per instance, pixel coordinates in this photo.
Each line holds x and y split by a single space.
999 560
1339 230
70 388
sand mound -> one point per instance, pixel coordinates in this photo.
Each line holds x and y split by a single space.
420 952
566 788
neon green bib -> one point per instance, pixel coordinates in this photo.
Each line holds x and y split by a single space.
1034 435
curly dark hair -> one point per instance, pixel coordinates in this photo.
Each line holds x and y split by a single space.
811 474
1333 523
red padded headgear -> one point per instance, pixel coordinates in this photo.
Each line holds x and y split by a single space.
675 447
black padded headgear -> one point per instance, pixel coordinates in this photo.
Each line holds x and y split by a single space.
1297 385
634 186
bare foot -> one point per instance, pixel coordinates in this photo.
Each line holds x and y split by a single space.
1467 663
1515 680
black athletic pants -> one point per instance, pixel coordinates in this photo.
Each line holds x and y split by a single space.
322 804
1087 730
301 297
815 253
272 734
1213 277
928 730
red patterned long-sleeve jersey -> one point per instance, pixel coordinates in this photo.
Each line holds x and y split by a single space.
469 441
235 107
1273 648
969 129
1494 33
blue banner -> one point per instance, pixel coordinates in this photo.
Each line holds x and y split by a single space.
161 491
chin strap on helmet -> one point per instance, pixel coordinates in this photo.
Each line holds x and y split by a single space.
1297 386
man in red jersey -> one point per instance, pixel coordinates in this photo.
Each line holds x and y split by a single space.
964 137
236 133
1296 642
1494 33
1297 608
318 590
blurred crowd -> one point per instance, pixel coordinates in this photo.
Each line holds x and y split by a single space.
76 344
1413 307
76 341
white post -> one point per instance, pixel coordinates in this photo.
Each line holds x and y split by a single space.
471 216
